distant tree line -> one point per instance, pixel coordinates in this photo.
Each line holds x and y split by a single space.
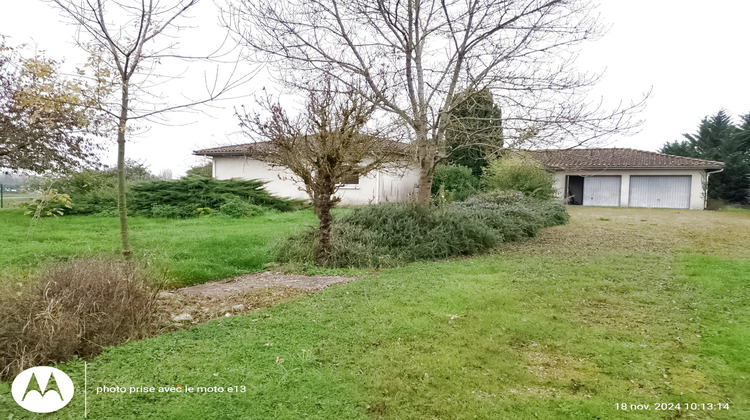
719 138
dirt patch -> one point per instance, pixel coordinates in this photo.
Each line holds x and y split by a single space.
227 288
203 302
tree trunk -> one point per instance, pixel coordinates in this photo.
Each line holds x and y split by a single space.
426 172
323 210
424 189
121 204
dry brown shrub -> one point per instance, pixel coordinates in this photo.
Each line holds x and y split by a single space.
74 309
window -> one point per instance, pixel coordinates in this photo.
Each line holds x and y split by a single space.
351 180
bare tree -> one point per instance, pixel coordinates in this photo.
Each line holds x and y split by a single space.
326 145
133 39
415 56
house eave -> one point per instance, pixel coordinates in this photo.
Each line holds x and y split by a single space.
218 154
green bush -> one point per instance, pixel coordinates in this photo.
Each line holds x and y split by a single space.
508 212
102 201
166 211
397 225
95 191
414 232
185 196
519 172
454 182
237 208
454 231
546 213
388 234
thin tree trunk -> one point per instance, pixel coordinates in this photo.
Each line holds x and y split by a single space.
121 203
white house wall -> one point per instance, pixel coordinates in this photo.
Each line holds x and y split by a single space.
376 187
397 184
697 198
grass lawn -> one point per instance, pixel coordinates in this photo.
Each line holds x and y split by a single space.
189 251
621 306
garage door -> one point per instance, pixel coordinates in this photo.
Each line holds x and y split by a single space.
667 192
601 191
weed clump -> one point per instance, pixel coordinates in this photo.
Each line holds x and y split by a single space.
74 309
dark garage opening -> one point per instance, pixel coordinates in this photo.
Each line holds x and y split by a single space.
575 190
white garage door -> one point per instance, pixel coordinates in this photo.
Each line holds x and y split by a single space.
601 191
667 192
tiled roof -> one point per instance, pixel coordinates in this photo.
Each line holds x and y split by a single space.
618 158
247 149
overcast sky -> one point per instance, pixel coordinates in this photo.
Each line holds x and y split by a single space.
691 54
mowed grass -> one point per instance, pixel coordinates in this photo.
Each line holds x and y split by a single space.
645 307
188 251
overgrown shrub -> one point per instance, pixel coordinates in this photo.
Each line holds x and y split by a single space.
389 234
185 196
396 225
413 232
455 182
546 212
237 208
454 231
50 204
74 309
351 246
519 172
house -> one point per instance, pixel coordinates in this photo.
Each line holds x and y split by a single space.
628 177
590 177
245 161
